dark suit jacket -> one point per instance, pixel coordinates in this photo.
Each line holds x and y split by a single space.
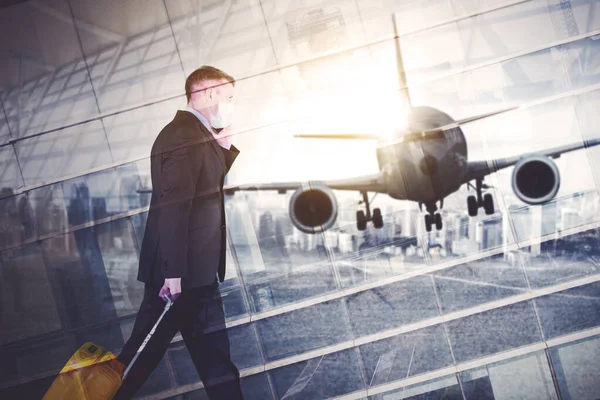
185 229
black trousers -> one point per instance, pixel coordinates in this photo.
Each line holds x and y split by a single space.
194 312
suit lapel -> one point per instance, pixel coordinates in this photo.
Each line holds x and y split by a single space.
212 142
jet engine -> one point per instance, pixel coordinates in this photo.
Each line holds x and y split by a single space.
313 209
535 179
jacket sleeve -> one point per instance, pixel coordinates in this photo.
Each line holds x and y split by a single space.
230 156
177 186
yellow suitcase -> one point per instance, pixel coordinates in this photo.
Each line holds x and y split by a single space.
93 373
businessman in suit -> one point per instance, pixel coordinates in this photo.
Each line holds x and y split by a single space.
183 249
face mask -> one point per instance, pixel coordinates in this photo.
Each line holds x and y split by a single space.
223 117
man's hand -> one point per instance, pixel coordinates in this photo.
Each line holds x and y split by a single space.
171 288
223 137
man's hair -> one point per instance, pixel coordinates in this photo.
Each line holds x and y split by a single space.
204 73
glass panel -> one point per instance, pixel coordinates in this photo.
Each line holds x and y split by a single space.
526 377
17 223
132 178
582 61
493 331
4 128
29 307
50 208
306 28
93 197
446 388
377 16
115 240
66 152
589 121
570 310
303 330
76 263
499 33
562 260
321 377
142 62
131 134
231 36
49 84
391 306
534 130
405 355
576 366
478 282
254 387
10 176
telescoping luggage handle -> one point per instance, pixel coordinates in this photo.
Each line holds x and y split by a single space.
167 306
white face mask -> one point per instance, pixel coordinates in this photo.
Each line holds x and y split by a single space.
223 117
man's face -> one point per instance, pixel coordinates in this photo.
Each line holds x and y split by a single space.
216 92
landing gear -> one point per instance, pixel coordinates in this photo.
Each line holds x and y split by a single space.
476 202
433 218
362 218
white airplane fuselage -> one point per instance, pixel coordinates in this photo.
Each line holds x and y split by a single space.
426 168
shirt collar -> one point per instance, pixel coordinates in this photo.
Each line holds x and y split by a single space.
200 117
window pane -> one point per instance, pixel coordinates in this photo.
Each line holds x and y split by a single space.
303 330
526 377
29 307
320 377
10 176
446 388
405 355
576 366
141 61
478 282
17 223
66 152
570 310
493 331
391 306
561 260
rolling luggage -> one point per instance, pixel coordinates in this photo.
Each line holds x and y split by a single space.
93 373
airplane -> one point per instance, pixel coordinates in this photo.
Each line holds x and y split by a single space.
425 165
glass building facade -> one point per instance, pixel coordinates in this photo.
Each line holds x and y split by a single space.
502 306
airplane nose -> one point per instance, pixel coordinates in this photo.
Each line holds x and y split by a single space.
428 165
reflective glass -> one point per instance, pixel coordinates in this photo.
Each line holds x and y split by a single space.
131 134
66 152
589 120
581 60
17 223
527 377
93 197
134 177
254 387
48 83
478 282
29 305
49 206
321 377
538 129
561 260
493 331
231 36
304 29
142 63
446 388
10 175
499 33
570 310
303 330
4 128
576 366
405 355
391 306
75 261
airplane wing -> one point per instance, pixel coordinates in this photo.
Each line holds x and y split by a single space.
368 183
479 169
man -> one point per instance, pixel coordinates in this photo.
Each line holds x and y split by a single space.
183 249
